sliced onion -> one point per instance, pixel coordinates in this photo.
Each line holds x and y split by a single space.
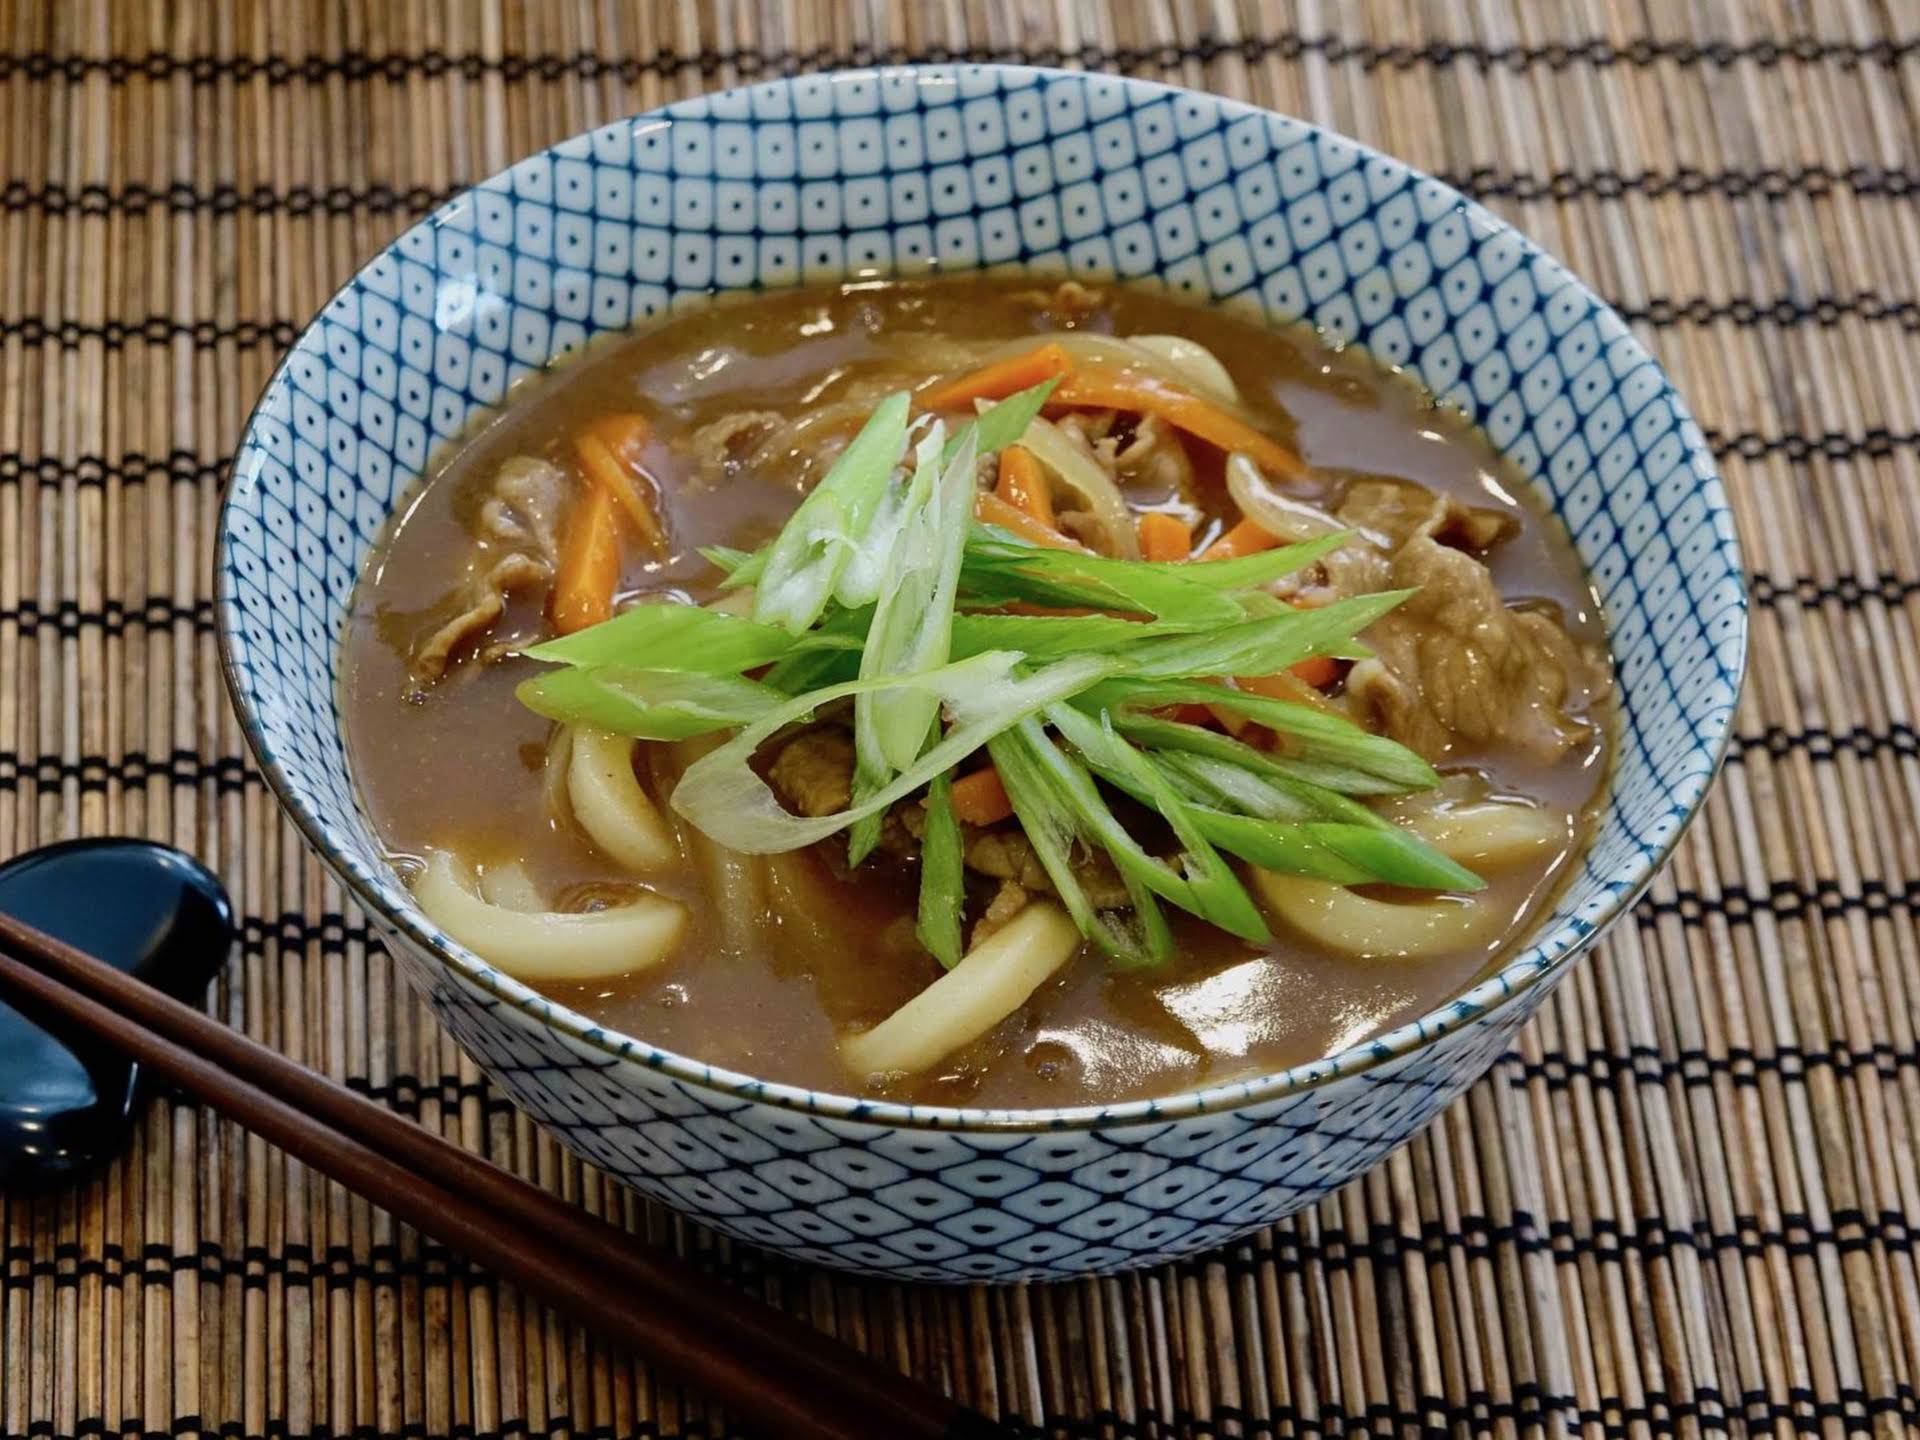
1286 519
1110 352
1083 474
939 354
1196 365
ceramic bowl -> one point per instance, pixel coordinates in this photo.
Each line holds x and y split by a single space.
895 171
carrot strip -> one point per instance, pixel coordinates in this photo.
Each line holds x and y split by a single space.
1000 379
1246 538
991 509
589 563
1165 537
1231 721
1060 612
1288 685
609 452
625 435
1112 390
1022 484
980 798
1316 670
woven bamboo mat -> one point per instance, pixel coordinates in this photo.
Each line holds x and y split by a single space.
1683 1205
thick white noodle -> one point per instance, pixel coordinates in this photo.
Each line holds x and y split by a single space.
1486 834
511 888
735 883
1334 916
610 805
553 774
991 981
550 944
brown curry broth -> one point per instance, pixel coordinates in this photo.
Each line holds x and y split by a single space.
458 766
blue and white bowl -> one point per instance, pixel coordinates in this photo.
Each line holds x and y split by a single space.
893 171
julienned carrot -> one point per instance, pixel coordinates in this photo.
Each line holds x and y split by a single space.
1298 683
625 435
1117 390
609 453
980 798
1246 538
1295 684
1316 670
991 509
589 562
1000 379
1165 537
1022 484
1062 612
1231 721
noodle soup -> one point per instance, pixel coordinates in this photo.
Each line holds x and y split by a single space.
979 693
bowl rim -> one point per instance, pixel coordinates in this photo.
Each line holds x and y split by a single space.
1547 957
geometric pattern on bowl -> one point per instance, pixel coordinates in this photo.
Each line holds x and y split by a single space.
895 172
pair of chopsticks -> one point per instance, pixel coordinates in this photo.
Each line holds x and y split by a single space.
763 1365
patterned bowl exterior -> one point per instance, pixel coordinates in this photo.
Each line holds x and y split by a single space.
893 171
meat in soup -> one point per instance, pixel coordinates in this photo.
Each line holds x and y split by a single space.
1126 888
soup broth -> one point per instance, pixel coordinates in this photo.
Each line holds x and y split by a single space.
448 759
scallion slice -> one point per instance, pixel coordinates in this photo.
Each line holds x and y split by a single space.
647 704
807 557
943 892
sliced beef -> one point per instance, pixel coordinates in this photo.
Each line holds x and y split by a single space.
523 510
1008 901
1454 664
1003 852
1093 430
1154 458
1356 568
1386 514
813 773
515 530
1392 512
722 447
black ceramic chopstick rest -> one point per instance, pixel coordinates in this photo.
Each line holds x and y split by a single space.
144 908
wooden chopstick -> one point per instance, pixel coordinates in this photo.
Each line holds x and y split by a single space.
768 1367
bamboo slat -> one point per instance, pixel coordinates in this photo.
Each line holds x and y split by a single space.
1683 1204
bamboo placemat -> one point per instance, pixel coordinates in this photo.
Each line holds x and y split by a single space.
1684 1204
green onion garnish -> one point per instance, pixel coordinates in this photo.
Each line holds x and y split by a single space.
882 589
